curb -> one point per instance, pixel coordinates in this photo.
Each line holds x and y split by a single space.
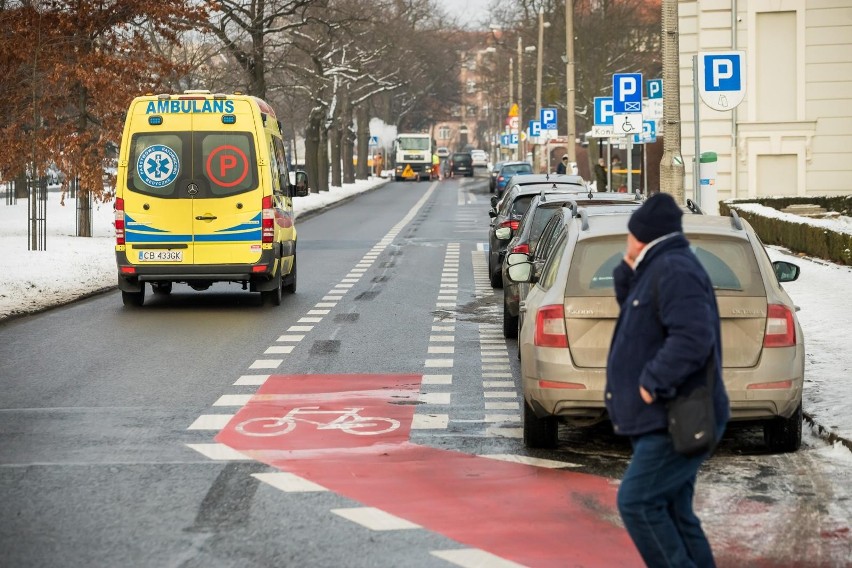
826 434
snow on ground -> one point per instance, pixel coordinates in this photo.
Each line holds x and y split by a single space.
72 267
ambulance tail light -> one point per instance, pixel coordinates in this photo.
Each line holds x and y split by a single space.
780 328
550 327
267 217
119 221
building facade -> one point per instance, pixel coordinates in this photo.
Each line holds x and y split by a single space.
792 134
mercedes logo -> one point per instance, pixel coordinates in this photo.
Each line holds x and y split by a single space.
192 189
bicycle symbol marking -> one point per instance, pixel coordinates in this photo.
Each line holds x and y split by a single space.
348 420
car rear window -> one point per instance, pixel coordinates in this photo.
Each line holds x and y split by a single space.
520 205
540 217
516 169
730 263
461 157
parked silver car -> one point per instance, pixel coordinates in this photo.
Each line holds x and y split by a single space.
571 311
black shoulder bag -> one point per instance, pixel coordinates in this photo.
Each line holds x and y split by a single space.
691 415
692 420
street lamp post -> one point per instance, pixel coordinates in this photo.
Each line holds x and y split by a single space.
569 72
521 49
539 64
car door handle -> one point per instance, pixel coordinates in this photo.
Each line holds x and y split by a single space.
522 307
206 217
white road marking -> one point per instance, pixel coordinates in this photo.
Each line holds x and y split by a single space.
266 364
318 312
445 304
441 349
496 375
288 482
441 338
295 338
500 394
300 328
498 432
497 384
450 328
310 320
375 519
251 380
430 421
439 363
211 422
502 418
435 397
325 304
233 400
538 462
502 406
343 286
437 380
279 349
218 452
473 557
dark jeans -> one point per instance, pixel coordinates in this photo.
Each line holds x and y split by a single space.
655 502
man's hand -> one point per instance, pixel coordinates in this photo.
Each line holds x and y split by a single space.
646 396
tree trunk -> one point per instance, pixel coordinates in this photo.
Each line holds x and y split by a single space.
312 149
347 138
322 158
363 139
335 135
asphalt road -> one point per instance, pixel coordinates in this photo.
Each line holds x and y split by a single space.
155 437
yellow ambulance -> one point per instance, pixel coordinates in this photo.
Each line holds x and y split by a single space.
204 195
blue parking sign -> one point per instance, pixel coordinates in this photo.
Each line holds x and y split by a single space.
655 88
721 78
603 111
548 119
627 93
535 128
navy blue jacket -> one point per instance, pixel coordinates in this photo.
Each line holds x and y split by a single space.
663 339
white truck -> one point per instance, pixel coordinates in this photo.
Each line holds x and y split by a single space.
413 156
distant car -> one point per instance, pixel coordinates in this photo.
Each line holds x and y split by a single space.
525 240
480 158
442 152
506 216
571 312
461 164
507 170
495 170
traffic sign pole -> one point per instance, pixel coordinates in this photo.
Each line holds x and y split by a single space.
696 185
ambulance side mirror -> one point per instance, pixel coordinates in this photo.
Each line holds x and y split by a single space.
301 184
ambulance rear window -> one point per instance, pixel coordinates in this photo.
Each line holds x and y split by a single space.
219 164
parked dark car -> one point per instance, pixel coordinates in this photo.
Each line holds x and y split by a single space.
525 240
507 170
461 164
507 213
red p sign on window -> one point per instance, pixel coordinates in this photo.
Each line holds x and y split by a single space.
227 166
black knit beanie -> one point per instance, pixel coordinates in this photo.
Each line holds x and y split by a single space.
658 216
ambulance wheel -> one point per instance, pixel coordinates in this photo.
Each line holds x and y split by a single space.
273 297
290 287
133 299
161 288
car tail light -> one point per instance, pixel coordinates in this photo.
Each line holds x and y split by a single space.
511 223
119 221
259 268
550 327
500 178
780 329
523 248
559 385
267 221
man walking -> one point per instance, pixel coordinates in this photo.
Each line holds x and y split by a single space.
562 168
668 330
600 175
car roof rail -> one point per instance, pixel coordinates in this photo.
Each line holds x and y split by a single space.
693 207
736 222
584 219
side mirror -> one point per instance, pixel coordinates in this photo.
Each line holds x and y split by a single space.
520 272
494 201
301 184
492 213
517 258
785 271
503 233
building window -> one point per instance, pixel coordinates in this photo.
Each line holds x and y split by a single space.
776 68
443 132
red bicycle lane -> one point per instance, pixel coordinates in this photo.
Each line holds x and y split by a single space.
531 515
